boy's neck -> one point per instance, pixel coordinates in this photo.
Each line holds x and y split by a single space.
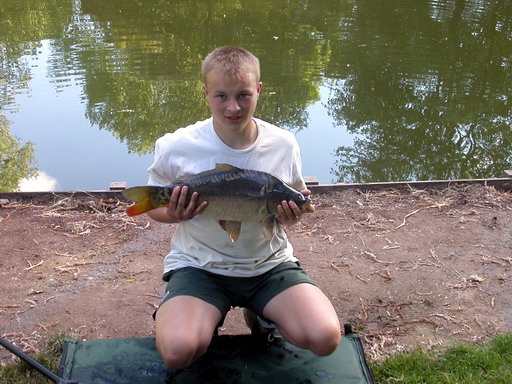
240 139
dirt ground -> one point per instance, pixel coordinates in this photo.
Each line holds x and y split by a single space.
408 268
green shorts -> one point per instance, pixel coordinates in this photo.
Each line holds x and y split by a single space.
225 292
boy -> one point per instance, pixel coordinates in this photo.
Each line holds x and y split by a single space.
206 272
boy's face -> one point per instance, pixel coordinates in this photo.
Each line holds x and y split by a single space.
232 100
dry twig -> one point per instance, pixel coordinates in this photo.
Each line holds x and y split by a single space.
374 258
406 216
32 266
436 258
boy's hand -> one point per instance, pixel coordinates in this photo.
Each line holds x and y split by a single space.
178 209
289 212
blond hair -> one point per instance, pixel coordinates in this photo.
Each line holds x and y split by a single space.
230 61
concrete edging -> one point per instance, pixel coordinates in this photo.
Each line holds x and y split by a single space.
504 183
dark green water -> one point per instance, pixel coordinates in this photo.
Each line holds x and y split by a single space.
374 90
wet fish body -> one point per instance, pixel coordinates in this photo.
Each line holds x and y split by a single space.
234 196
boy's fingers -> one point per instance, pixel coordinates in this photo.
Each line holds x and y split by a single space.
183 197
289 211
200 207
178 208
175 197
191 207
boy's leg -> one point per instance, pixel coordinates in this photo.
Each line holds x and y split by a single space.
184 329
306 318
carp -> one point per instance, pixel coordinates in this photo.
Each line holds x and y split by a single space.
234 196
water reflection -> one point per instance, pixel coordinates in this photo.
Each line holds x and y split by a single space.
423 87
16 159
439 109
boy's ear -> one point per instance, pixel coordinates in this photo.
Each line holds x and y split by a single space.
205 90
260 85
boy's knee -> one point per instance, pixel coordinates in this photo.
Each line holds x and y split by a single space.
326 346
325 341
179 354
176 360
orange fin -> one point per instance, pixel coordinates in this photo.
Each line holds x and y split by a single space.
141 207
232 228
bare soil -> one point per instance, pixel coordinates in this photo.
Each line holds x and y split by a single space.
408 268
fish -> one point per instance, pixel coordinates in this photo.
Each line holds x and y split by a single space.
234 195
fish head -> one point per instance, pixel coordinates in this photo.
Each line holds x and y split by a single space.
282 191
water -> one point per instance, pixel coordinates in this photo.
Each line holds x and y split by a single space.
374 91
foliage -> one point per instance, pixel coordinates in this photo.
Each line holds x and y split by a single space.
16 162
469 364
22 373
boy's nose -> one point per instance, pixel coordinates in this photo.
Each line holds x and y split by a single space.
233 105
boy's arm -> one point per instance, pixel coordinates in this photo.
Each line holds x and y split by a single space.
177 210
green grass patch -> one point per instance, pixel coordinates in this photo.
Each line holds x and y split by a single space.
21 373
462 364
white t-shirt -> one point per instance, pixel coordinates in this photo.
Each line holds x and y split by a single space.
201 242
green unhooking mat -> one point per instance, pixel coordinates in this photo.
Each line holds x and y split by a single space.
238 359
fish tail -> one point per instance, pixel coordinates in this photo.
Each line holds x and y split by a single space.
141 207
142 195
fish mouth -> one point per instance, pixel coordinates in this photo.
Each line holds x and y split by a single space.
308 207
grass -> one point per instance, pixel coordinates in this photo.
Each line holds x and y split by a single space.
22 373
463 364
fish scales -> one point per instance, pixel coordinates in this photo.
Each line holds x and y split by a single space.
240 184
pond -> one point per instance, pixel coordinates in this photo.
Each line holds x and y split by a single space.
374 91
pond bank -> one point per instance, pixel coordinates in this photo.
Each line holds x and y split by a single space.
502 183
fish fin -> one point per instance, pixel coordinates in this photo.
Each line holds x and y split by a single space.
232 228
219 167
141 195
137 193
140 207
269 225
183 178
